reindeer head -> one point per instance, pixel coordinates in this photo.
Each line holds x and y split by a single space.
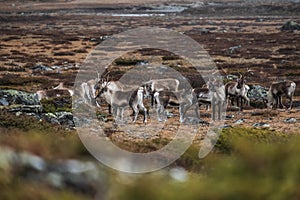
214 84
101 88
240 82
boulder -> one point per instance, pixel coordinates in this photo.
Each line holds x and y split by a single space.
81 176
10 97
62 118
40 67
258 96
290 26
26 109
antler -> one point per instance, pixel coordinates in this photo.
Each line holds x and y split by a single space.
241 75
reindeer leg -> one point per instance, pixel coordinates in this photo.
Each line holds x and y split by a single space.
213 111
181 113
220 107
197 112
290 102
145 112
158 110
115 113
280 102
109 109
135 112
152 100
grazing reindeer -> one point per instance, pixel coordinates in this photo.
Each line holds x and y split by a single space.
57 91
218 97
183 99
157 85
238 90
119 100
203 95
277 90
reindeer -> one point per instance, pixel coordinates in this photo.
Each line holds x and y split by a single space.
238 90
157 85
183 99
277 90
88 92
218 97
119 100
204 96
57 91
62 87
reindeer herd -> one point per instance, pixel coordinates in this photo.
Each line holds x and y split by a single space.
167 92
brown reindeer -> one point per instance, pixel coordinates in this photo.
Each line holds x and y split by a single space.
277 90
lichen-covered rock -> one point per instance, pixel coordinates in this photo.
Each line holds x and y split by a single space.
62 118
257 92
26 108
290 26
10 97
80 176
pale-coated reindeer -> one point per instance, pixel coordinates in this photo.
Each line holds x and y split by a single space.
183 99
277 90
218 98
119 100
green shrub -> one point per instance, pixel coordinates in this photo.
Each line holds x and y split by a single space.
58 104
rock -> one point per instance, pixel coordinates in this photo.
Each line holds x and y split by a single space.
30 161
62 118
233 108
143 63
257 92
258 96
26 109
226 126
204 31
11 97
179 174
3 102
290 26
80 176
261 125
65 118
240 121
233 50
290 120
40 67
229 117
51 118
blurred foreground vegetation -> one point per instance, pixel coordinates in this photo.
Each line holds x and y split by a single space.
245 164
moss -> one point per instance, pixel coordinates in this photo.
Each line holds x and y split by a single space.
229 137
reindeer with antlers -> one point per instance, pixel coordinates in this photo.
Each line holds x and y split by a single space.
238 90
119 100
